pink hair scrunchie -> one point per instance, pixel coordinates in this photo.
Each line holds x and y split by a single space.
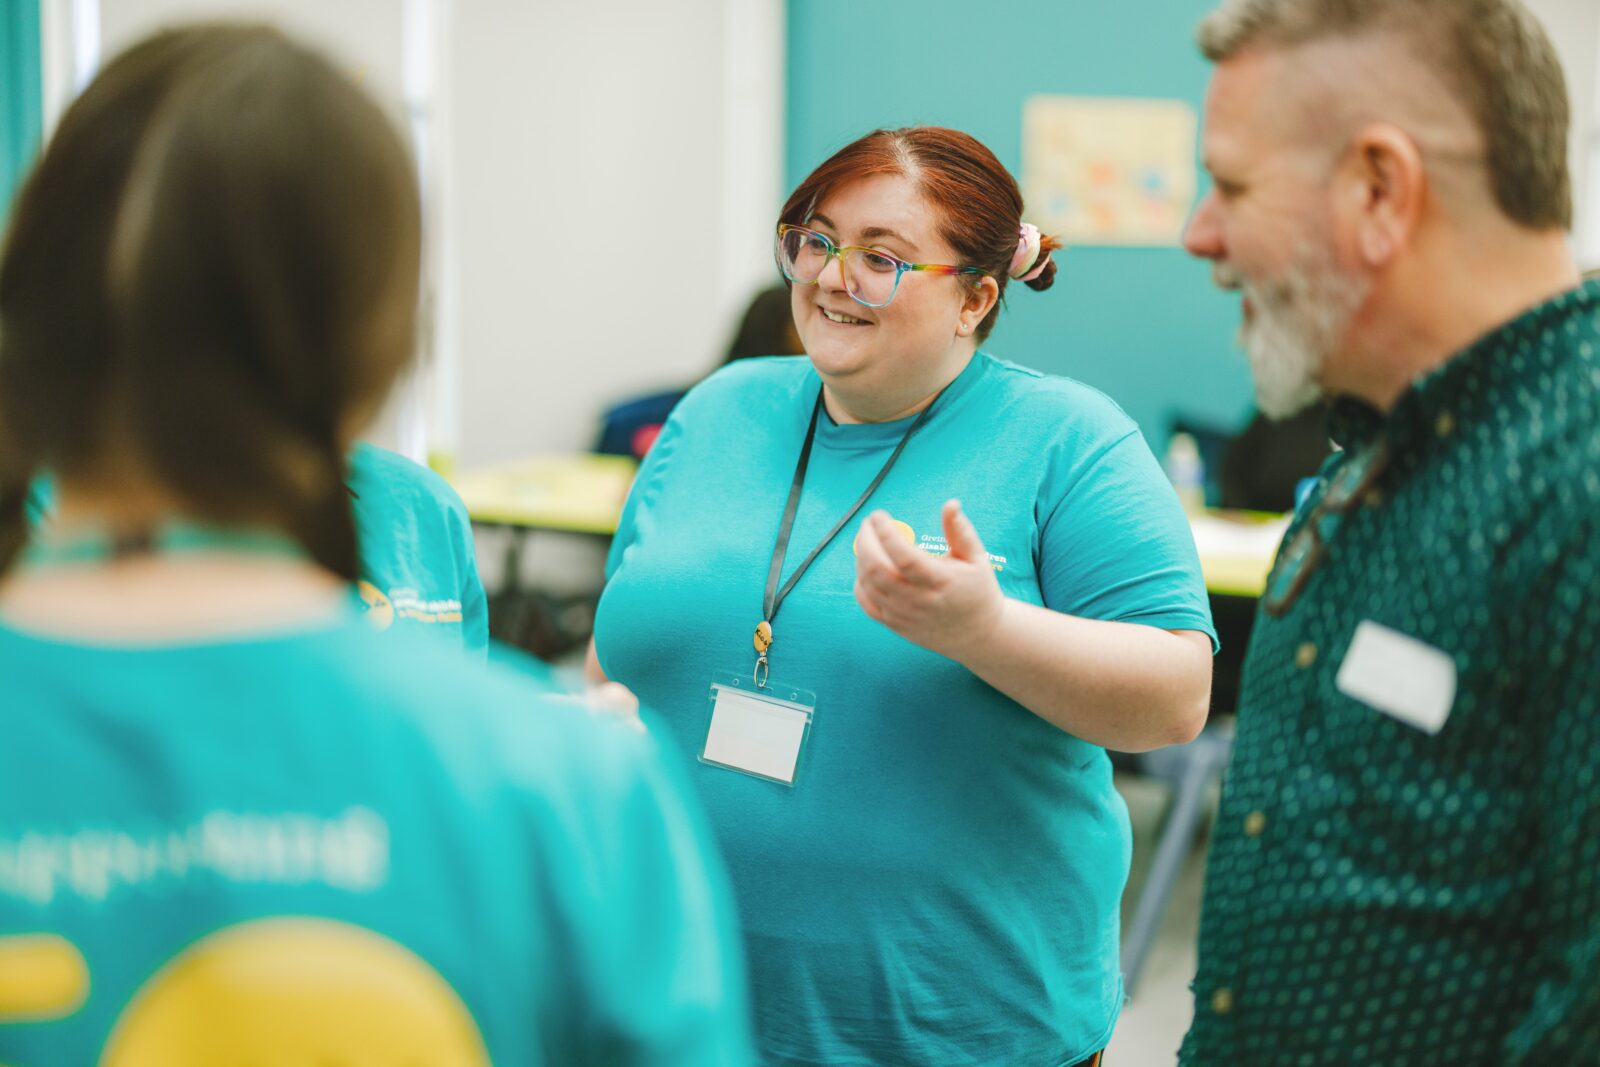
1028 264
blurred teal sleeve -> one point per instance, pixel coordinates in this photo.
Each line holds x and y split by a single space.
474 600
656 976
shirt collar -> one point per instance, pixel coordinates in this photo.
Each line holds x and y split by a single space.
1466 386
869 436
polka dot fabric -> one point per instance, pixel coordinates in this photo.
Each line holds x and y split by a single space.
1379 895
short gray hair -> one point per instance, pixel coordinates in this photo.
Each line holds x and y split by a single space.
1494 53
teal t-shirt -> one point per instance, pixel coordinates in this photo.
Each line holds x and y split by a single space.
418 566
941 885
336 846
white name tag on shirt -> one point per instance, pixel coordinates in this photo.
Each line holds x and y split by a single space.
756 731
1400 676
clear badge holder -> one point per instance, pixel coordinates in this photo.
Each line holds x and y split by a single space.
759 730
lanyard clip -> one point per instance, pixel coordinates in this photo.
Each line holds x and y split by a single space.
761 673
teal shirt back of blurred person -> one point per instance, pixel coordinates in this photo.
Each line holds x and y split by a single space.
332 845
419 570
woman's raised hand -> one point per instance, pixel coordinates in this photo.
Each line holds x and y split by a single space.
947 604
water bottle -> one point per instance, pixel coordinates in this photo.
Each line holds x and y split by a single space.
1186 472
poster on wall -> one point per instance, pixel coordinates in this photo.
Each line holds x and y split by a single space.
1100 171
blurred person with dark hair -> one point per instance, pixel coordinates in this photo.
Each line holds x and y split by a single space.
1406 864
236 825
767 328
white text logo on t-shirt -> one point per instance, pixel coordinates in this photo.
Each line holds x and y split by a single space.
935 545
411 604
382 609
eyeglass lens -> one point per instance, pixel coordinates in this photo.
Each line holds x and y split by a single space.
869 277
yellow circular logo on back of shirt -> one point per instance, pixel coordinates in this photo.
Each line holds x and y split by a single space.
302 991
380 613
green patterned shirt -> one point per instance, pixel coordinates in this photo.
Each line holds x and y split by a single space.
1378 893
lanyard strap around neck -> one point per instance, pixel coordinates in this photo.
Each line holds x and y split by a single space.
775 596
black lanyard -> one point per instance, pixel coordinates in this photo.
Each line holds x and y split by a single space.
774 598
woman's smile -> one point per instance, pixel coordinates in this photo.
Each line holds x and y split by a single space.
842 318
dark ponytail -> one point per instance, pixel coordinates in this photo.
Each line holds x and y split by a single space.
253 286
13 523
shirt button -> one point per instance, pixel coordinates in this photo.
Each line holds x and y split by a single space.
1374 498
1254 823
1444 425
1305 655
1222 1001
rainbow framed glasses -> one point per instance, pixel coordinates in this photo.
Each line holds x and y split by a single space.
1350 485
870 277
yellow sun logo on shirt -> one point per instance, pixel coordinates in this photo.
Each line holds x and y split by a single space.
902 528
380 612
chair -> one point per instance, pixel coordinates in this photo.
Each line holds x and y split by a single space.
1190 770
630 428
1256 470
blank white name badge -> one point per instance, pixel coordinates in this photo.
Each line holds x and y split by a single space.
1400 676
760 731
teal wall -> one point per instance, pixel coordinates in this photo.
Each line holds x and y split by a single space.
20 100
1143 324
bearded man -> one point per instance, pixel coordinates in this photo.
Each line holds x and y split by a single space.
1406 864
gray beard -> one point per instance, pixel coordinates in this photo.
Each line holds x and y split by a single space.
1300 318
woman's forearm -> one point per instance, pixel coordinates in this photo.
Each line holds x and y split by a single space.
1120 685
1124 686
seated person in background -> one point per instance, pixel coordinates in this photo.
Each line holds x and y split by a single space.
236 825
767 329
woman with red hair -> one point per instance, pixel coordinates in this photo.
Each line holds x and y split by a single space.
962 581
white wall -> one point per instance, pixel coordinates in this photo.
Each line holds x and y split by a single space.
364 35
1574 26
1589 243
605 177
616 170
